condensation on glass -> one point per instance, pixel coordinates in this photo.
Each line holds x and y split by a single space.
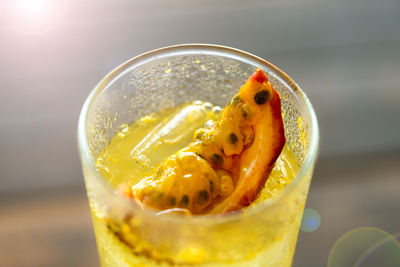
263 235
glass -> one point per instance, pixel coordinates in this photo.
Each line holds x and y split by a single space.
263 235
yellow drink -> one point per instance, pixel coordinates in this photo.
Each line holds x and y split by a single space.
113 151
134 153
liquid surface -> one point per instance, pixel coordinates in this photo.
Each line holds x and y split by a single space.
138 149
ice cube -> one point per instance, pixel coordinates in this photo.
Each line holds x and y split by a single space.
173 133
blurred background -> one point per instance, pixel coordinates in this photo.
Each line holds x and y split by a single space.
345 54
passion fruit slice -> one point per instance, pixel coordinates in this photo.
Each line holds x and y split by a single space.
227 164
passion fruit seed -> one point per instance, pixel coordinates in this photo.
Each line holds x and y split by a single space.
200 134
261 97
233 139
157 196
245 112
226 185
235 100
202 197
248 135
217 159
184 200
172 201
212 186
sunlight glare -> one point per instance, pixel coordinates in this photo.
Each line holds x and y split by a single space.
32 16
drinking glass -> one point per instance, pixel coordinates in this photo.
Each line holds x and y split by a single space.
127 235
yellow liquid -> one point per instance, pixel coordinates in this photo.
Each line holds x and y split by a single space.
136 151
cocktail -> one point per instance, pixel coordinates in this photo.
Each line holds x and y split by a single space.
150 107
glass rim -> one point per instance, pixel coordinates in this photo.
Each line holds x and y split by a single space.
89 161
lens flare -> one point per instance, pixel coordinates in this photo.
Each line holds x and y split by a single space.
33 16
311 220
364 247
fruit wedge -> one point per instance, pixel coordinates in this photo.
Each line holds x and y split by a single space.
257 161
227 164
